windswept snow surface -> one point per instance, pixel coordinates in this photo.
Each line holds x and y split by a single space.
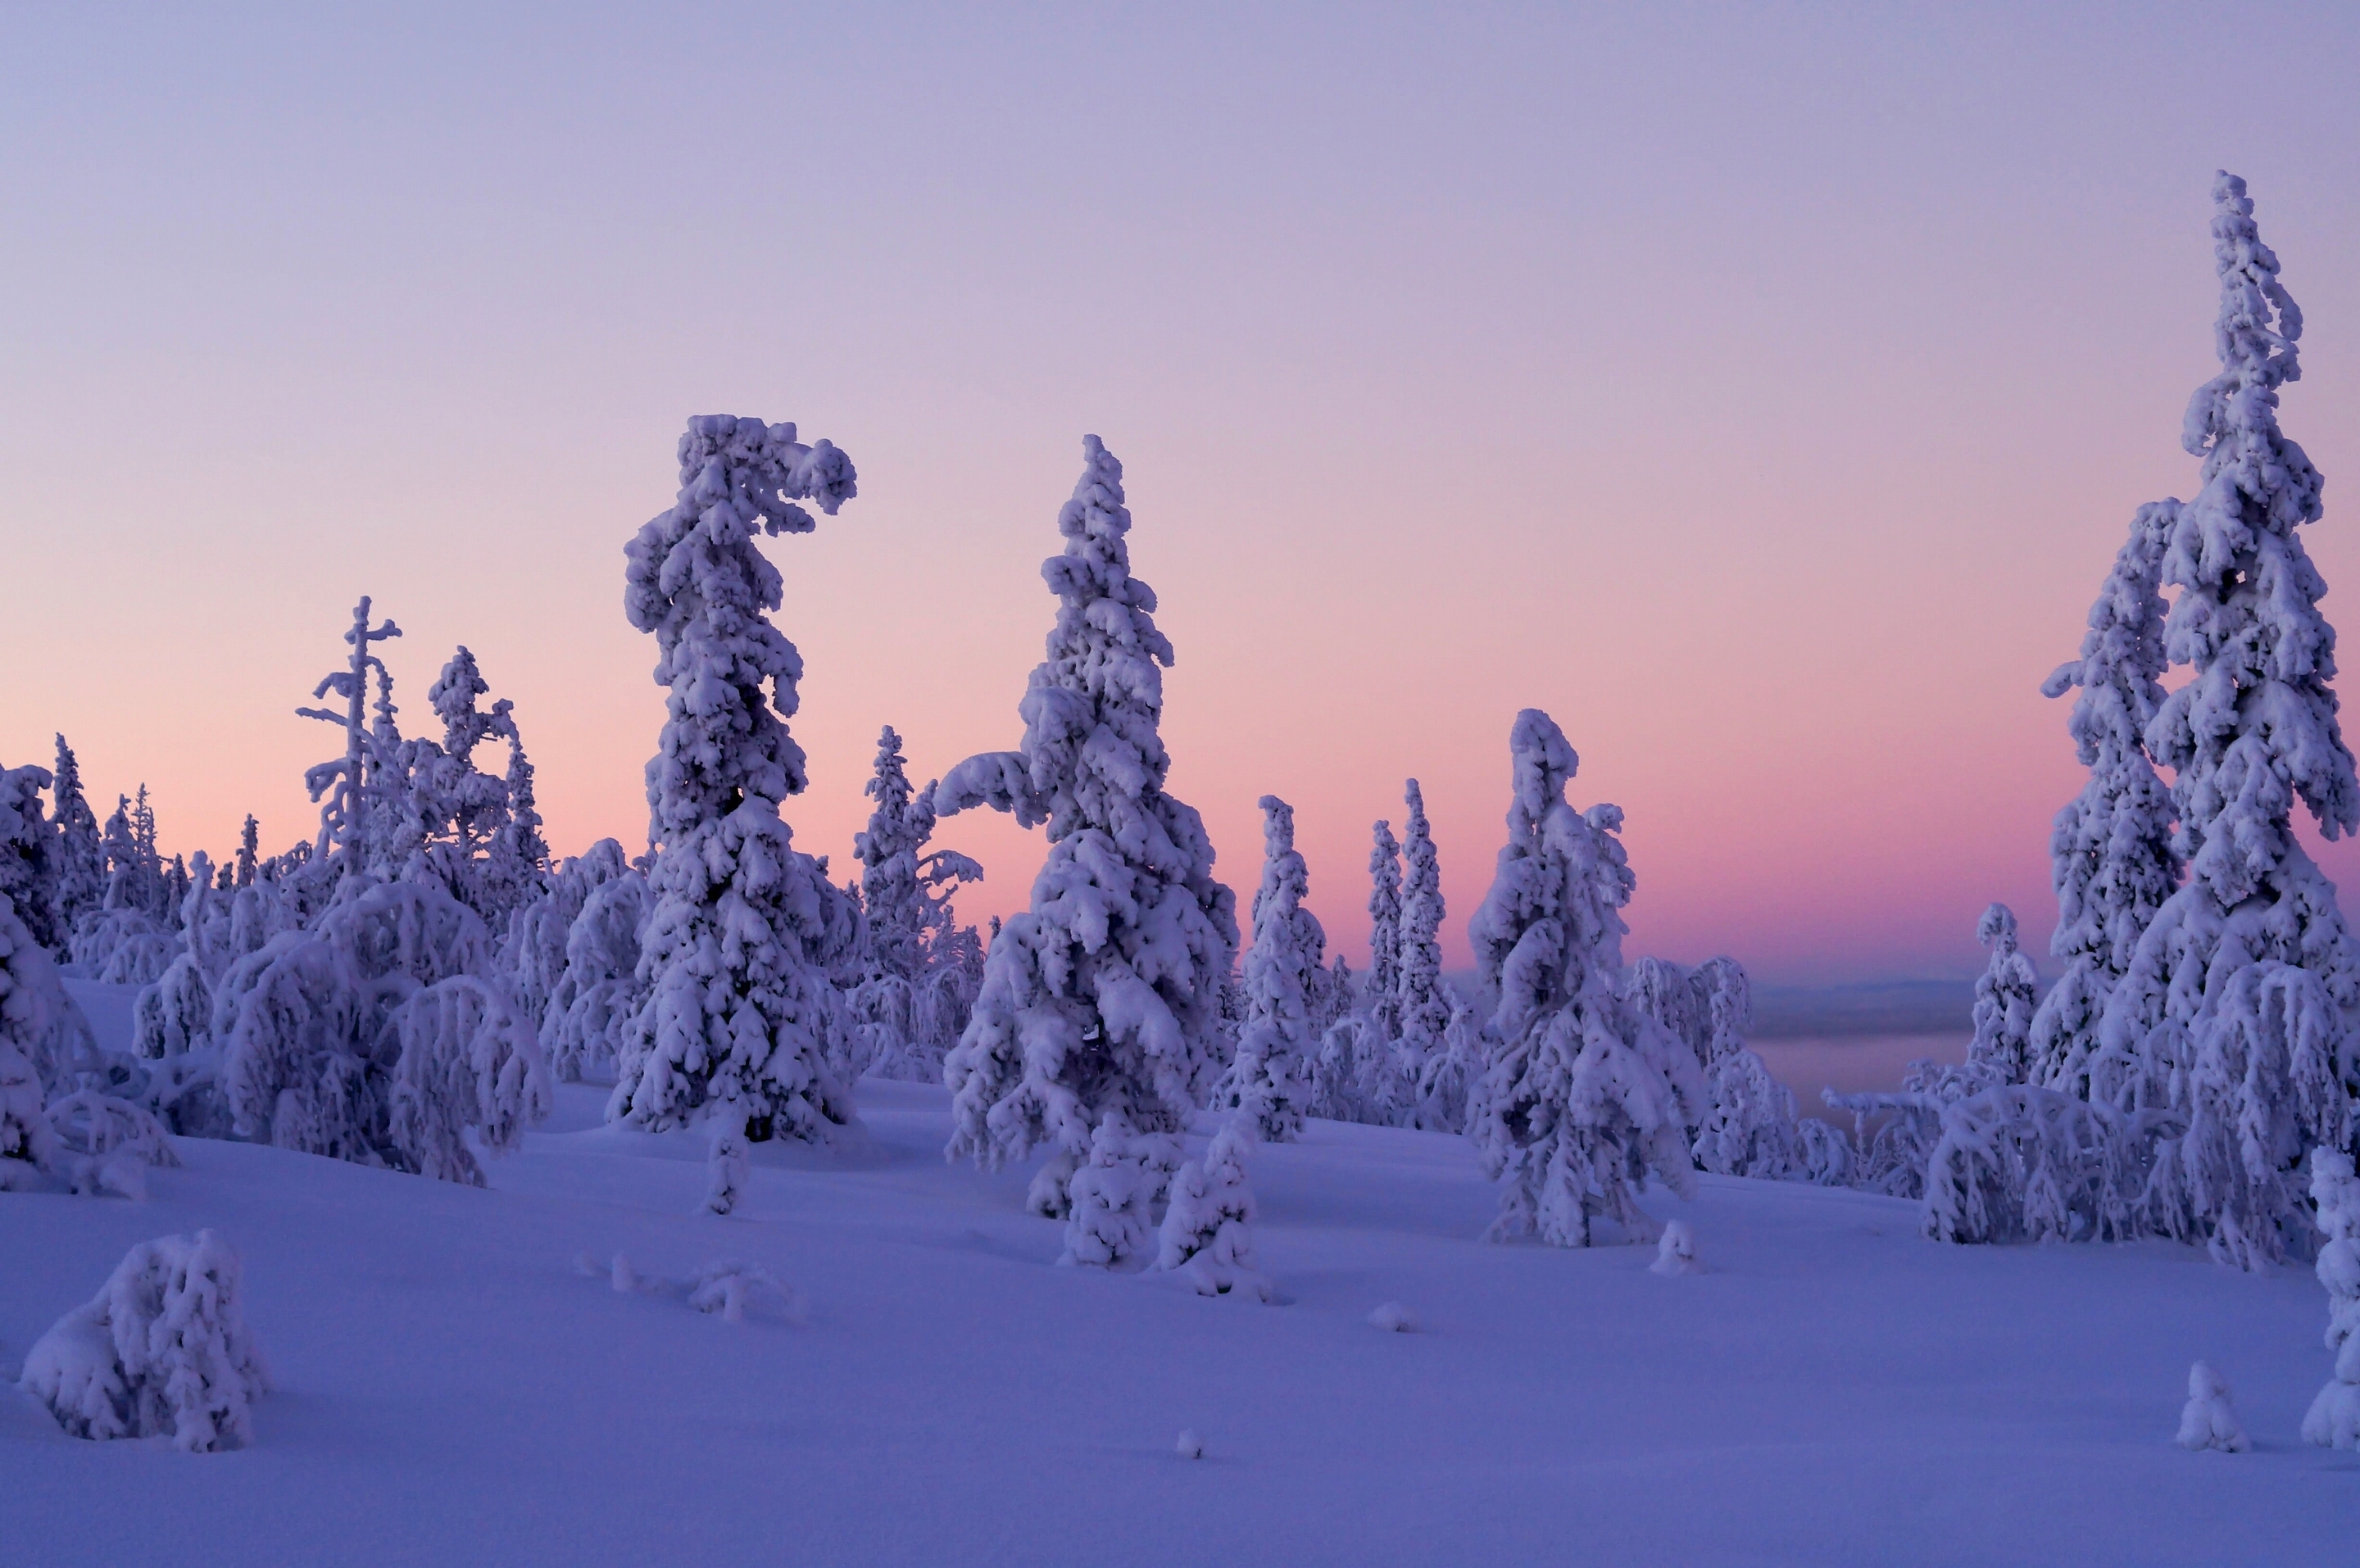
449 1389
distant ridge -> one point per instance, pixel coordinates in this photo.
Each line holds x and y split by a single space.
1877 1006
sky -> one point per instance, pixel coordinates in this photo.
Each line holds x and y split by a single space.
1761 390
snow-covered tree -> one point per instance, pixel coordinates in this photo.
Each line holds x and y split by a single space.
162 1350
1382 988
28 854
1585 1092
2334 1421
2111 852
342 785
730 962
80 855
904 892
1100 1002
1423 1010
2236 1004
1271 1080
2005 999
1207 1231
1676 1250
249 844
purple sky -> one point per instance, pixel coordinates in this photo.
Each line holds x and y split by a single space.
1762 391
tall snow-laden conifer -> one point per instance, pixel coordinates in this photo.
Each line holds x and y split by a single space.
1585 1092
1099 1003
81 857
2238 1002
1424 1008
735 1001
1271 1080
2111 854
1383 986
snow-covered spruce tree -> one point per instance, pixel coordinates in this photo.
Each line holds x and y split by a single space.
2236 1006
2334 1421
1207 1231
80 856
2111 852
1423 1011
1382 988
1099 1002
163 1349
28 854
342 785
517 864
903 890
1453 1073
1271 1080
735 1001
1585 1092
2005 999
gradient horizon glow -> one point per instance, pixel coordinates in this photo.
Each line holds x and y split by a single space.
1763 392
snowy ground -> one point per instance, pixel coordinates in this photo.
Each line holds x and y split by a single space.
451 1391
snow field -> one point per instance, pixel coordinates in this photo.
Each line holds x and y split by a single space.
449 1390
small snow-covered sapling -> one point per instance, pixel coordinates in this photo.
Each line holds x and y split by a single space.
1675 1252
2208 1421
162 1350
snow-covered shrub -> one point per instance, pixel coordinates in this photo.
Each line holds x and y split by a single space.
163 1349
1208 1232
1892 1157
734 999
1394 1318
136 954
469 1074
1676 1250
729 1166
1423 1011
1271 1078
1825 1153
2207 1422
597 993
105 1144
2266 1085
1337 1072
2207 1019
45 1044
1585 1094
2017 1163
174 1016
1750 1126
1189 1445
533 953
2111 855
1109 1196
376 1037
729 1287
2004 997
1453 1073
1102 998
2334 1421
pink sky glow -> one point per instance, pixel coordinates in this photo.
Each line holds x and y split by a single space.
1762 393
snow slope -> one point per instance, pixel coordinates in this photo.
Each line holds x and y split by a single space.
451 1391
